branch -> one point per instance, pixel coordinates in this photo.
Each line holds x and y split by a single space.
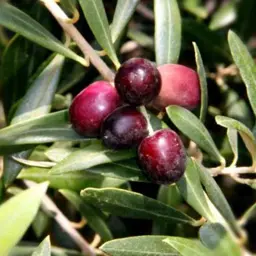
85 47
49 206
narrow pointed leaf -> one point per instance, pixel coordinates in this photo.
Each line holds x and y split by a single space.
123 12
26 205
192 127
167 31
248 215
138 246
233 141
44 248
203 83
246 134
133 205
246 66
90 156
188 247
215 238
32 163
91 214
75 181
18 21
96 17
216 196
192 191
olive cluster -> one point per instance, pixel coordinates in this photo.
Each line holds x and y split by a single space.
110 112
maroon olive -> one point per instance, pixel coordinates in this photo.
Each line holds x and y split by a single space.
180 86
162 157
138 81
124 128
90 107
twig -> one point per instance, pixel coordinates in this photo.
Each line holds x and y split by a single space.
85 47
236 170
49 205
145 11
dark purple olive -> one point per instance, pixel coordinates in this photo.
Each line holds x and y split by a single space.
138 81
162 157
91 106
124 128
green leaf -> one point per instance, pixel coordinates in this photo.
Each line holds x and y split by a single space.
171 196
216 196
233 141
167 31
133 205
44 248
20 22
96 17
245 133
43 164
224 16
25 250
192 191
195 7
90 156
17 214
203 83
141 38
73 181
138 246
248 215
123 12
38 99
91 214
41 223
192 127
188 247
215 237
246 66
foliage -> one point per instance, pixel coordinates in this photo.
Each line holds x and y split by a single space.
45 60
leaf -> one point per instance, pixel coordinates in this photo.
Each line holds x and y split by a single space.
138 246
73 181
36 102
171 196
57 154
96 17
246 66
191 126
195 7
192 191
17 214
187 247
123 12
44 248
215 237
224 16
90 156
245 133
233 141
38 99
133 205
32 163
216 196
91 214
249 214
20 22
203 83
167 31
141 38
41 223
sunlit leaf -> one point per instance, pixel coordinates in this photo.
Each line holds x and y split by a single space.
44 248
167 31
26 205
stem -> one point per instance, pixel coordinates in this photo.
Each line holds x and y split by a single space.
237 170
49 206
145 114
85 47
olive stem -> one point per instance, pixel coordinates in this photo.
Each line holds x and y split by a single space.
146 115
49 206
85 47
